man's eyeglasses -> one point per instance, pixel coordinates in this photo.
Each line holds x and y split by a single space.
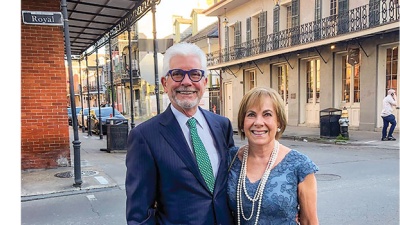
178 75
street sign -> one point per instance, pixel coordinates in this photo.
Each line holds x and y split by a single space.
42 18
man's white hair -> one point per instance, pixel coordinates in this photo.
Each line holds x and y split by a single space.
183 49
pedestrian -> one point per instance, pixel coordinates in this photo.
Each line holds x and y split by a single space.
269 183
387 115
164 182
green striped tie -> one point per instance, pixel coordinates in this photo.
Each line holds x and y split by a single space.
203 161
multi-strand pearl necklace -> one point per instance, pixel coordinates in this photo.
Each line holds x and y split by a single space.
260 189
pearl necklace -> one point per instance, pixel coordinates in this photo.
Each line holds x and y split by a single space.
260 189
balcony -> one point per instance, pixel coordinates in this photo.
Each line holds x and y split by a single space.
358 19
123 78
93 89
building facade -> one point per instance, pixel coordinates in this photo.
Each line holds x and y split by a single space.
44 121
316 54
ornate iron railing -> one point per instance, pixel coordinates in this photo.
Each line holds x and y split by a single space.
357 19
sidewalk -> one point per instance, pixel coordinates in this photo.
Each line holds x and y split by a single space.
101 170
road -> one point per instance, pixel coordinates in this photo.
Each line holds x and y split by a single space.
356 186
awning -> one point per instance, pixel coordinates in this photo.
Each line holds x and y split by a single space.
93 22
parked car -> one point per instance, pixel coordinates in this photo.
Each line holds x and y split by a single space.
78 109
106 113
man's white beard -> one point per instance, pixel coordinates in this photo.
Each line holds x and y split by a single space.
188 104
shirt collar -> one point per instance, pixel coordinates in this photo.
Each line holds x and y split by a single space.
182 118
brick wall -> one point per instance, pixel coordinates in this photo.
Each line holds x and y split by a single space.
44 122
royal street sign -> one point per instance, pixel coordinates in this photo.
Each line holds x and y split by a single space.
42 18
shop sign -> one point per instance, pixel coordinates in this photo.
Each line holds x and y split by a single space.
353 56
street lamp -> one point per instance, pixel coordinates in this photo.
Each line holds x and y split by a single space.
98 94
130 76
81 93
88 99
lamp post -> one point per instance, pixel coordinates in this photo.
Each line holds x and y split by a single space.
98 95
76 143
81 93
88 99
155 50
111 77
130 76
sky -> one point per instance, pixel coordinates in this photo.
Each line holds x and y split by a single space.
164 12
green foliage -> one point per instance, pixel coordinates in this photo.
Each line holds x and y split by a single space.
341 138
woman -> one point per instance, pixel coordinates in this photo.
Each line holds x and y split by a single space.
268 182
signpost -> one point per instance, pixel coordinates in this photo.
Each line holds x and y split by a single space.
42 18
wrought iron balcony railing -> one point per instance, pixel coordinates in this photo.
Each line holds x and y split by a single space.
357 19
93 88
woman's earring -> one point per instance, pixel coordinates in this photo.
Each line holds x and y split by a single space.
242 130
279 129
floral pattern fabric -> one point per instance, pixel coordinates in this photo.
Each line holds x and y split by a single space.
279 203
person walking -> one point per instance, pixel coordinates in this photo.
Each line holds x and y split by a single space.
177 161
269 183
387 115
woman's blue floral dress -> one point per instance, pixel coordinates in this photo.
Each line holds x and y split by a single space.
279 202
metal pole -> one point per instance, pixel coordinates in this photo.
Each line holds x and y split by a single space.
88 99
98 94
111 78
121 100
130 76
76 143
156 89
81 92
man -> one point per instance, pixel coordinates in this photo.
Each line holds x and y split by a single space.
387 115
164 182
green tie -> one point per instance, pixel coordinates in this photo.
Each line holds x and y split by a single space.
203 161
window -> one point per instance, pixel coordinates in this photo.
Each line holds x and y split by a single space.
289 17
283 82
248 29
295 13
226 37
343 16
237 41
350 82
276 19
392 57
333 7
248 36
262 25
313 81
250 80
318 17
294 22
237 31
374 12
276 27
226 56
318 10
262 31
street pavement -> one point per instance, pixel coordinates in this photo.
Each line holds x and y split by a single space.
106 169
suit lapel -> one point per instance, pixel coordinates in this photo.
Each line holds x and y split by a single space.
172 133
218 136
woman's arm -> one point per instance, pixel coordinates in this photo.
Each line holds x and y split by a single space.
307 195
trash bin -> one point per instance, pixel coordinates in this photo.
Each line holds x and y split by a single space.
329 122
117 134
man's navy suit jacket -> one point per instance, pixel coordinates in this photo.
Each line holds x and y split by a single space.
161 168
